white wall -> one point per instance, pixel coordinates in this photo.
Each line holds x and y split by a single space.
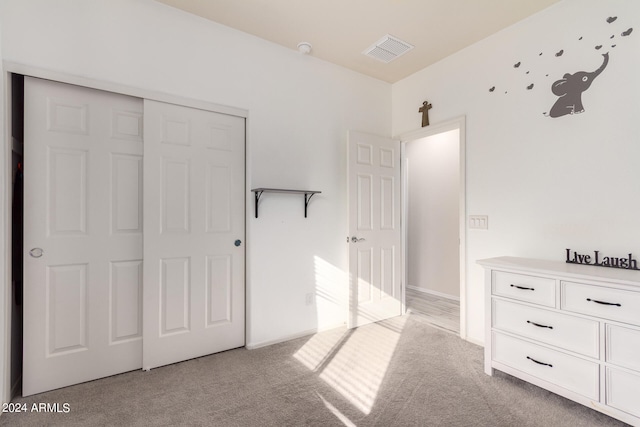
300 109
433 214
547 184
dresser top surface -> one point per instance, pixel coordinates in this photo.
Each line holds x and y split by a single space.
560 268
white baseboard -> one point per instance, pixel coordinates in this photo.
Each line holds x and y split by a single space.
474 341
253 346
435 293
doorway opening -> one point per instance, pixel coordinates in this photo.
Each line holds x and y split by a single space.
16 88
433 177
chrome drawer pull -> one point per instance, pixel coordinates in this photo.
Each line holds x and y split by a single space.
604 302
540 363
522 287
539 325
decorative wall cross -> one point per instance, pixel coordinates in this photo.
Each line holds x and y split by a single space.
425 113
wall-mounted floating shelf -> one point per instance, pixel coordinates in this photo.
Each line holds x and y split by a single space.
308 194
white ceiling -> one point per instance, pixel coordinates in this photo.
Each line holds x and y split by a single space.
340 30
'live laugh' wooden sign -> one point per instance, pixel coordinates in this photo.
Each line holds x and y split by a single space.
628 263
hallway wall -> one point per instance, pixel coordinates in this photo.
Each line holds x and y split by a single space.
433 214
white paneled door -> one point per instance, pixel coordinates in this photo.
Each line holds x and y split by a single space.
194 233
375 290
83 235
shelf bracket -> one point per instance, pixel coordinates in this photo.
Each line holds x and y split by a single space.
307 197
258 193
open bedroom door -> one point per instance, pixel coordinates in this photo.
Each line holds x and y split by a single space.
375 239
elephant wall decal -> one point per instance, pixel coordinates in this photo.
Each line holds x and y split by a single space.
570 88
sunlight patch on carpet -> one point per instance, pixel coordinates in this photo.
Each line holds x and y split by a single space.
335 411
319 348
354 363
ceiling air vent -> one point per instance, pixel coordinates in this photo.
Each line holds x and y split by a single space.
388 48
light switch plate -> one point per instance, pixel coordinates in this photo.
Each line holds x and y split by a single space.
479 222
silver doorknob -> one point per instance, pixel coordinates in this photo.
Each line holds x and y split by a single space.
36 252
354 239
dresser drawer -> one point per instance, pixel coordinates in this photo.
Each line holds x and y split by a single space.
623 347
623 391
569 372
561 330
608 303
536 290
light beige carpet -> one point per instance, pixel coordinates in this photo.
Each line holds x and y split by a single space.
400 372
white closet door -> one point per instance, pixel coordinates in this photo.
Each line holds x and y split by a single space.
82 235
194 233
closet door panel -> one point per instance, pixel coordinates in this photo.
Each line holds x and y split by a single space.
194 214
82 235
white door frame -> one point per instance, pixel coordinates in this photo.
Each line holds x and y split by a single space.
456 123
6 70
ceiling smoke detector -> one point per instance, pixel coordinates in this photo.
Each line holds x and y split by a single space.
304 48
388 48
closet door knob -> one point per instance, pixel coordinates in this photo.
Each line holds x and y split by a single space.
36 252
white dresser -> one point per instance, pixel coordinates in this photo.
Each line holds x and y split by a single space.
571 329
